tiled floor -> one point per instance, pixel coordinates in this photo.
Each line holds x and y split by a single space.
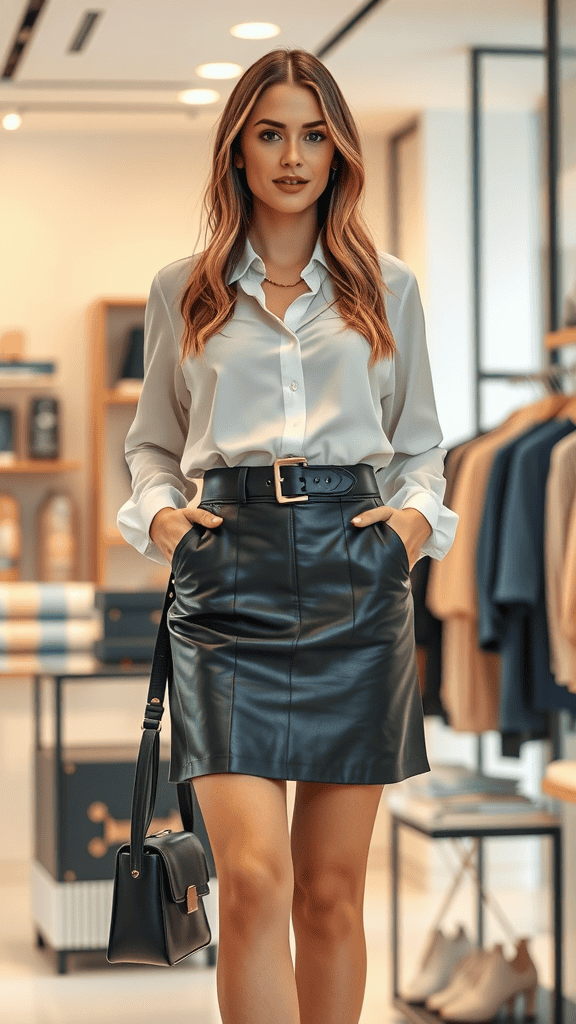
95 992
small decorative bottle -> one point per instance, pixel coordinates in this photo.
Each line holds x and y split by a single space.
43 431
58 539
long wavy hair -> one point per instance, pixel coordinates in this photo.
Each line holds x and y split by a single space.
207 302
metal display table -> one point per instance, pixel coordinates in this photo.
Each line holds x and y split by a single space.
551 1007
82 815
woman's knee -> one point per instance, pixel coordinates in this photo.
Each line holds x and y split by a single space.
328 900
255 884
246 821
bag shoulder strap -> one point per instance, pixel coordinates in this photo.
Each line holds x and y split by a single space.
146 775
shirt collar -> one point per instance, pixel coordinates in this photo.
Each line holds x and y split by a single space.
250 259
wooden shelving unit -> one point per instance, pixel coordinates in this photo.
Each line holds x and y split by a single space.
108 319
18 385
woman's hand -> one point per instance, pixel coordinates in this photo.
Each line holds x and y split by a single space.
170 524
411 526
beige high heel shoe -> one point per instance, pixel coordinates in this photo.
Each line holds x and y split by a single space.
440 959
500 982
463 977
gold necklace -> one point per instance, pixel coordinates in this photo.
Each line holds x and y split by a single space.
284 285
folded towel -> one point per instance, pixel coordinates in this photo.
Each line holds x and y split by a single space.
37 600
49 636
79 663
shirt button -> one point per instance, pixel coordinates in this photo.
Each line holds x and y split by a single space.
293 385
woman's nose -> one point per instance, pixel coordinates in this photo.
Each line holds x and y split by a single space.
292 154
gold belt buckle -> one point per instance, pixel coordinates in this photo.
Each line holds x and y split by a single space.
288 461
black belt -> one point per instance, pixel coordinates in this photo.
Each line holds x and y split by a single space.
288 479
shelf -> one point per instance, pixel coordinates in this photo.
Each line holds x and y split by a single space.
462 825
112 396
40 466
418 1014
560 782
33 380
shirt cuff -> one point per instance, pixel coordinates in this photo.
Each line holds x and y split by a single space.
441 518
135 517
426 504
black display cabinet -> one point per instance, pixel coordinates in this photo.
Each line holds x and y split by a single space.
82 803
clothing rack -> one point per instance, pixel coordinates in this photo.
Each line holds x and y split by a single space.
552 377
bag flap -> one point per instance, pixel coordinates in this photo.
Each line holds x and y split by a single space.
185 862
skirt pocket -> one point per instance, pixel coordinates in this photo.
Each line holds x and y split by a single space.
182 543
382 527
188 542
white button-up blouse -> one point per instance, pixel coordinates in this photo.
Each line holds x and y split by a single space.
266 388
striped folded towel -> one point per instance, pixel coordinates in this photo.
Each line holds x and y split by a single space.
48 618
49 636
36 600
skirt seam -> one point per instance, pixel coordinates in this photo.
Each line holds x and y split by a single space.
236 637
349 573
179 699
294 581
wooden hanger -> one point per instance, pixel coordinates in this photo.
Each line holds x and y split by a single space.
544 409
555 340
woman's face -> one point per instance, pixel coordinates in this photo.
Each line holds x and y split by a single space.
297 144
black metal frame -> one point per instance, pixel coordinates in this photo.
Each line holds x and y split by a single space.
476 56
547 1012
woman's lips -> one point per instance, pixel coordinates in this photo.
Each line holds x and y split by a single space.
294 186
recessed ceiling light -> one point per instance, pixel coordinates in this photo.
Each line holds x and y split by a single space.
255 30
219 70
198 96
11 121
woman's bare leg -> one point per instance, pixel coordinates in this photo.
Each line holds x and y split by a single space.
331 830
247 825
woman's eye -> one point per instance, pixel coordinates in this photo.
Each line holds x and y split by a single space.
270 132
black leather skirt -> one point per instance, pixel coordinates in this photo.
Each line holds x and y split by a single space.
292 633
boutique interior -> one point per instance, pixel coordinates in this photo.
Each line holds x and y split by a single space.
467 118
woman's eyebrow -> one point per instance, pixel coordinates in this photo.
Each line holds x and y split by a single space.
278 124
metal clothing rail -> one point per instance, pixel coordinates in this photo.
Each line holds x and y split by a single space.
551 375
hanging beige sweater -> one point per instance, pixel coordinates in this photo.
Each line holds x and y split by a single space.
470 688
560 560
568 602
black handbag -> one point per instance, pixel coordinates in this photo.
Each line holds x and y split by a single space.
158 915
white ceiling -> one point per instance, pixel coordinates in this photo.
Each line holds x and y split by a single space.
404 56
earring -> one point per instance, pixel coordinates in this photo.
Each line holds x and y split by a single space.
332 174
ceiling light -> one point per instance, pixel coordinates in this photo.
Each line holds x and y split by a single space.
255 30
198 96
11 121
219 70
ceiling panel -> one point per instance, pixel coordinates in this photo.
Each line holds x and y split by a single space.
405 56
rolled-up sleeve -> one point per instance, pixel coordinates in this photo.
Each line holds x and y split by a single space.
415 476
157 437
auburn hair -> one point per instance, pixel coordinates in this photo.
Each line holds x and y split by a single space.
207 302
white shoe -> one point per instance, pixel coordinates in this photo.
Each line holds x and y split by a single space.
437 965
463 976
501 981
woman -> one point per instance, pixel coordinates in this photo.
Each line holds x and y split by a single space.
286 369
